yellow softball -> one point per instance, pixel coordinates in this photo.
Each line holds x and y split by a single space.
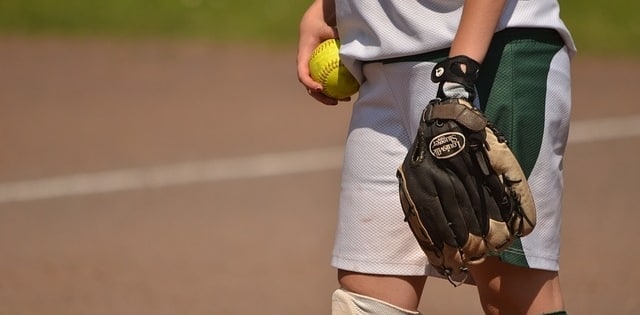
326 68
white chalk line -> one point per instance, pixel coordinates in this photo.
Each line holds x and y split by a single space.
256 166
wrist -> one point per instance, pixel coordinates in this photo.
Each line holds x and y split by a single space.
456 77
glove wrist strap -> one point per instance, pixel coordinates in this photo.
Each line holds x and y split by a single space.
454 72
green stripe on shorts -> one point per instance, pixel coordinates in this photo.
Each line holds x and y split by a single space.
512 90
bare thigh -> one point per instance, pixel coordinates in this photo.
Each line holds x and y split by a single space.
508 289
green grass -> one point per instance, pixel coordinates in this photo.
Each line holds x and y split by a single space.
604 27
267 21
599 27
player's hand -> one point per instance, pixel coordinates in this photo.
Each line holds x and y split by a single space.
456 77
313 30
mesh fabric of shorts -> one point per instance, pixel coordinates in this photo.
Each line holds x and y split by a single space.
524 88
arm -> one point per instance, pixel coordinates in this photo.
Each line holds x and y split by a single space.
317 25
457 75
477 26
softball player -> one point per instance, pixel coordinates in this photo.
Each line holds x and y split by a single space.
524 86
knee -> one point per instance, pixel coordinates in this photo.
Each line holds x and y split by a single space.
401 291
348 303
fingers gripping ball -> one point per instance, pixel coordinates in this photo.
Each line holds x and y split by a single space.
326 68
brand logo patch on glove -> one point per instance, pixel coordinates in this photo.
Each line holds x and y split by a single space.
447 145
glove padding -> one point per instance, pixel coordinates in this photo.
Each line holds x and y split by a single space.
462 190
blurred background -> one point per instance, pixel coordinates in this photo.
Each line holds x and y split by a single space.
160 157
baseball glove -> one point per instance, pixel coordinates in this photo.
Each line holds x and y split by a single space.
462 191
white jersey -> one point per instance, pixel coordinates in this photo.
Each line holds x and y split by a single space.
373 30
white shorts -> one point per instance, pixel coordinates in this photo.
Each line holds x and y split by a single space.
529 100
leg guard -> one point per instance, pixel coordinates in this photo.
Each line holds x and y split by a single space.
348 303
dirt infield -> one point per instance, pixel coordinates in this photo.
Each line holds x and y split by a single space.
258 244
